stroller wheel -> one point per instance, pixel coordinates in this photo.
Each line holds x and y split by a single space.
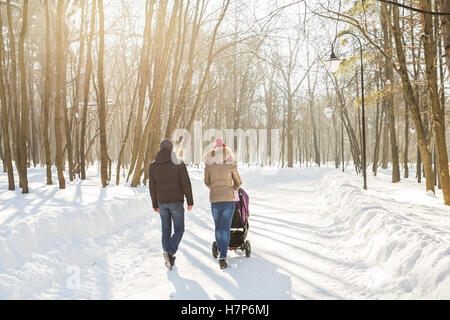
248 249
215 251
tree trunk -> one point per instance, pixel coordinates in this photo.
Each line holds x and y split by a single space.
288 132
311 116
385 146
144 76
47 92
77 89
24 99
160 56
208 66
419 166
59 103
411 100
125 139
437 114
378 130
87 81
178 60
354 145
5 130
14 96
67 122
102 99
406 146
444 6
388 71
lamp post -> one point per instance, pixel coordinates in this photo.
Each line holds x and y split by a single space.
333 65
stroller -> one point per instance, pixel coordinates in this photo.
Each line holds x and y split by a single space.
239 227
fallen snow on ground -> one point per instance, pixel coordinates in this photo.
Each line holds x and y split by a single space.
315 234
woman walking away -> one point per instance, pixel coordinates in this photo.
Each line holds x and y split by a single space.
222 178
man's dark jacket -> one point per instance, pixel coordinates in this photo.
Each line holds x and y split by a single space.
169 182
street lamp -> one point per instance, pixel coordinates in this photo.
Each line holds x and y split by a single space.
333 65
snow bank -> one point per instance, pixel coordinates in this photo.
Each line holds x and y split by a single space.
401 252
37 249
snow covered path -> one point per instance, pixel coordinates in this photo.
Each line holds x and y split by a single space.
315 235
286 261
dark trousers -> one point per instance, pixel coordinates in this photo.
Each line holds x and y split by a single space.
171 213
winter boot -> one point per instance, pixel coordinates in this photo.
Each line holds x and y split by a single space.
223 263
172 259
167 260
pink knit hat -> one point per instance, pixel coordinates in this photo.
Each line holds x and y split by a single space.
219 143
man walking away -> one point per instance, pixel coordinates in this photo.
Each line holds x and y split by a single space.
169 183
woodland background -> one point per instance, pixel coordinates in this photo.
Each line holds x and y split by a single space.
87 81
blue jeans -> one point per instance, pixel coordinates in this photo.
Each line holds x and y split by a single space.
222 213
171 212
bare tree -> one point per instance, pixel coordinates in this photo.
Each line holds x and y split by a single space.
5 126
24 99
47 92
102 100
87 81
430 51
60 98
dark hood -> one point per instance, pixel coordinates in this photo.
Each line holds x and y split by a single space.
163 156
